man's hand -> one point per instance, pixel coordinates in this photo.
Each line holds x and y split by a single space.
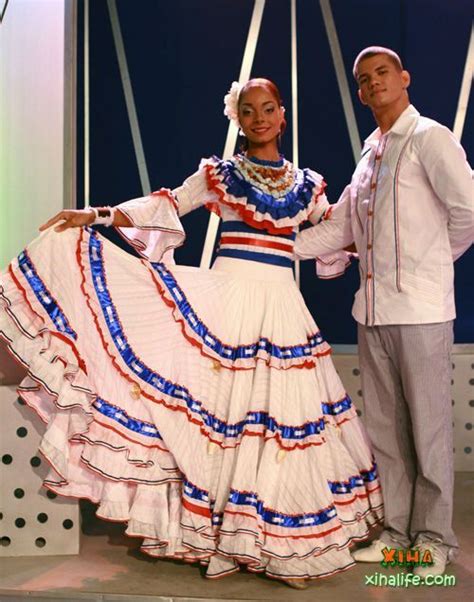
70 218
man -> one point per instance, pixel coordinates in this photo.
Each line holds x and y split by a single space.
410 211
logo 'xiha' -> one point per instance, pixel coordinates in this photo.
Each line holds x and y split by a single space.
411 557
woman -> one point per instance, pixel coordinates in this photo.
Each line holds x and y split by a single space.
199 406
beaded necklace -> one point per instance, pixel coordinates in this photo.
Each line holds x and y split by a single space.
276 178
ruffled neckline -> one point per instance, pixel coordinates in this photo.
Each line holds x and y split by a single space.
257 208
266 162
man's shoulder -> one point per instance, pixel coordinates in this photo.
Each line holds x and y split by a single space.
427 126
431 132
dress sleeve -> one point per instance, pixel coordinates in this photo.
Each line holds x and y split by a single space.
331 261
156 228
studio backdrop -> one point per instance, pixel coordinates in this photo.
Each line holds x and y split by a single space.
152 76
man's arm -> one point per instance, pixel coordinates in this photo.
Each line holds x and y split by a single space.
331 234
451 177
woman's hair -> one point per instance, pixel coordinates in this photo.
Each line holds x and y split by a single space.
261 82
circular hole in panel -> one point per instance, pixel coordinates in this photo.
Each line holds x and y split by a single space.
359 413
1 515
356 372
7 459
68 524
5 541
20 523
35 461
468 426
359 393
21 402
471 403
22 431
452 402
51 495
19 493
42 517
40 542
467 450
471 381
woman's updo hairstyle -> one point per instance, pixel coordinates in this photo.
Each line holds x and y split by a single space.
261 82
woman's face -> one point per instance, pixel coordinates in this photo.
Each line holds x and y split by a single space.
260 116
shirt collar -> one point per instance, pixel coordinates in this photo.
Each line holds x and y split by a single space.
401 127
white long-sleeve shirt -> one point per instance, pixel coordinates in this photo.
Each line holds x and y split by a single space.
410 211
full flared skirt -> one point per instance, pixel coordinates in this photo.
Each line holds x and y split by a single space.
201 407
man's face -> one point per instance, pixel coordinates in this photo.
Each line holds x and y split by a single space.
381 83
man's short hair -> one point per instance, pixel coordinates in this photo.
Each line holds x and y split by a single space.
371 51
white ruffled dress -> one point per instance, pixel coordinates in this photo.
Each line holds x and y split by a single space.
201 407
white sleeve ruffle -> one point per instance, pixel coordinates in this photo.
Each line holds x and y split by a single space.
156 228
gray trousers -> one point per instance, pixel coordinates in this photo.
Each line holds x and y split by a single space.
406 384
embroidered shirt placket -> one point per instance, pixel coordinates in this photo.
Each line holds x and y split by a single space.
396 216
370 272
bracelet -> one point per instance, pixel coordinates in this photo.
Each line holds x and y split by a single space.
104 216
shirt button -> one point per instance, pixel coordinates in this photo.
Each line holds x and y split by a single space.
370 212
369 247
373 185
369 276
378 157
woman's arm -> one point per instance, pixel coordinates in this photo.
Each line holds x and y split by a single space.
76 218
142 212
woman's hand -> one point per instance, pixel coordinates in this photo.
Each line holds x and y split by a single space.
70 218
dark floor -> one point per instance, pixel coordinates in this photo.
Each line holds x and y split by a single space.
110 568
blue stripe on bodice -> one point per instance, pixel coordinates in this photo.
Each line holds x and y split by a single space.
260 254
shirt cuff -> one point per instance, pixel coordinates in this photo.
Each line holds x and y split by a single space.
332 265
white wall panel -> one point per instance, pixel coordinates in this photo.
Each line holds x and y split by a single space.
32 83
33 520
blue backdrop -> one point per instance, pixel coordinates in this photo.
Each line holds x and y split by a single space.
183 55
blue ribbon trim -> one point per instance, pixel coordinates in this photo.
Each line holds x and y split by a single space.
44 296
296 200
249 499
227 351
178 392
195 493
121 417
278 518
338 407
278 260
365 476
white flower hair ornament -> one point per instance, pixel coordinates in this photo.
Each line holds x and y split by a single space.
231 103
